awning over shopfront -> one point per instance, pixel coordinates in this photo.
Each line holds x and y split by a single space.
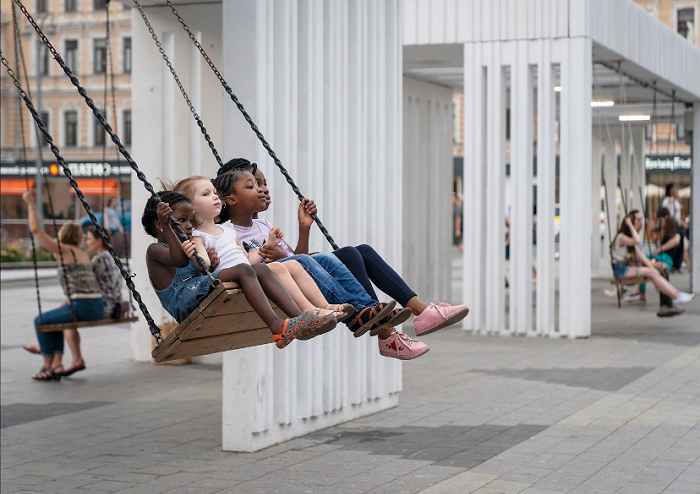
97 186
14 186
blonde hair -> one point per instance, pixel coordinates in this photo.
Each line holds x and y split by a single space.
71 234
186 188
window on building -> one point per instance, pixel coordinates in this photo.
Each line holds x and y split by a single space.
99 56
98 4
43 60
71 54
100 132
127 127
71 127
41 5
127 55
686 23
71 5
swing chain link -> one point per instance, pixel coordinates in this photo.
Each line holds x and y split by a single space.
179 84
248 119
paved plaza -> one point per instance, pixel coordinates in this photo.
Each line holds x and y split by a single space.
615 413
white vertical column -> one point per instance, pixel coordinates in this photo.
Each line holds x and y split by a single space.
695 202
494 259
546 174
575 185
473 273
609 203
638 175
195 93
628 198
596 181
521 185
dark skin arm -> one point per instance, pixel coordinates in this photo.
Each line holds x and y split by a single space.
162 261
307 207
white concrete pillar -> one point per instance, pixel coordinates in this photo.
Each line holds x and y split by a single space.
628 197
475 152
695 203
596 181
521 183
546 149
293 67
575 187
494 259
638 173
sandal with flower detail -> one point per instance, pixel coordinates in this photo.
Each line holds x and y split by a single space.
305 326
395 317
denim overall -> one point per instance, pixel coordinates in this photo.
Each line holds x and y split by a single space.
188 287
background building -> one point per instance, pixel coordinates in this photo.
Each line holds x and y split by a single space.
77 29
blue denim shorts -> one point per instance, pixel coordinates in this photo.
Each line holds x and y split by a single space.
619 270
188 287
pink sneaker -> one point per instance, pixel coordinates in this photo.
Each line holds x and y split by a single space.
399 345
438 316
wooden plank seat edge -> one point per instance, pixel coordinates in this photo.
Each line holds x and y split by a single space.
629 281
48 328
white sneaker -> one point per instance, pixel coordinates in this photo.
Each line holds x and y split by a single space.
632 297
684 298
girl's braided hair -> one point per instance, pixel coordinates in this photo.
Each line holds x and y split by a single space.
150 215
226 178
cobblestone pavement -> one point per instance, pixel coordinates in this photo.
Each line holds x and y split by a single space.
616 413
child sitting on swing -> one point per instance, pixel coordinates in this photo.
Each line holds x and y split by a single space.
180 285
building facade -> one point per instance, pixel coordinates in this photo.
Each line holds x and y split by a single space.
77 29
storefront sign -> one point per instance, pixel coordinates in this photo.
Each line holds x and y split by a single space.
78 169
667 163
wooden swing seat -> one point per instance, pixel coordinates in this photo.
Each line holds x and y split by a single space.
629 281
48 328
223 321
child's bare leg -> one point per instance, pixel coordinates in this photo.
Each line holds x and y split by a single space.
276 291
306 284
285 278
253 291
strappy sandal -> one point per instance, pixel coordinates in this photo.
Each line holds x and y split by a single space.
74 368
395 317
369 317
46 374
305 326
346 309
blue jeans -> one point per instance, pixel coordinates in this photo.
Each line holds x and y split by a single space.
367 266
86 309
336 282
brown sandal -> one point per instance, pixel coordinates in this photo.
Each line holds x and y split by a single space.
396 317
369 317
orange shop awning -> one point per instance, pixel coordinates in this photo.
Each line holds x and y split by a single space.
14 186
96 186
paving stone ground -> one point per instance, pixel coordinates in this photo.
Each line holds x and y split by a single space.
618 412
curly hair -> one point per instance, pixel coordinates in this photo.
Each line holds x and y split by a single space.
236 164
150 215
224 185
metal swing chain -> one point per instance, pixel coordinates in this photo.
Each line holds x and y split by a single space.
19 55
115 138
155 331
179 84
248 119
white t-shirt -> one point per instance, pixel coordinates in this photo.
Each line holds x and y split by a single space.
226 245
673 206
252 237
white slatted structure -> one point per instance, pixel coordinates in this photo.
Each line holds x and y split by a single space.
549 38
322 80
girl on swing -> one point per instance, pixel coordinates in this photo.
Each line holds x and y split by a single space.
628 261
363 262
180 285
